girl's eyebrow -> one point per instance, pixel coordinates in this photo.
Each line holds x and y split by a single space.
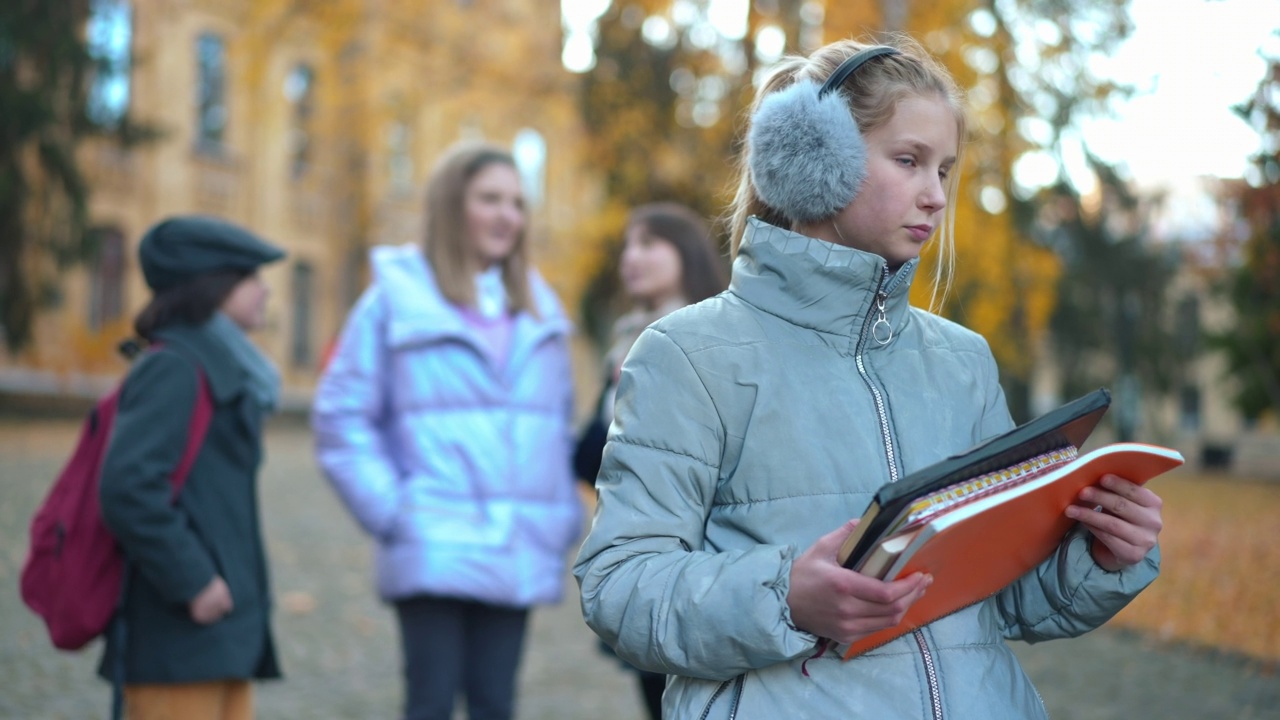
924 148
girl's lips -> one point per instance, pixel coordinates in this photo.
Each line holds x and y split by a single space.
920 232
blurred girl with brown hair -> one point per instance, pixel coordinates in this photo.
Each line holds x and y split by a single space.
442 422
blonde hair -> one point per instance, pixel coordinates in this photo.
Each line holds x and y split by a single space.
445 239
873 93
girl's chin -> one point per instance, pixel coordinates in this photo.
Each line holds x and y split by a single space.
497 249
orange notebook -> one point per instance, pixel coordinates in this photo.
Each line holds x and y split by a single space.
980 520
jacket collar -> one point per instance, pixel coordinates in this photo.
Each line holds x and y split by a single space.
819 285
224 374
418 313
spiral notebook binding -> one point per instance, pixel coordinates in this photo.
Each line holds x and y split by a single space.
972 489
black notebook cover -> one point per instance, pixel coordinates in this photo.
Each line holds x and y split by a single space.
1070 424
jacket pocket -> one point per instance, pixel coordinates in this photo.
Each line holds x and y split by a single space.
556 527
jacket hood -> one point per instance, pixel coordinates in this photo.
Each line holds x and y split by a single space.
417 311
816 284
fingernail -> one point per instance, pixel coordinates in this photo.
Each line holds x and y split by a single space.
1073 512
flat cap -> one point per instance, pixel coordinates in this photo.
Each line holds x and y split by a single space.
180 248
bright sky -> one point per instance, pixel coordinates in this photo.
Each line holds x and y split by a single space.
1189 60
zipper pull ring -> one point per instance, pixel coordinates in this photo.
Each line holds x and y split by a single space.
876 330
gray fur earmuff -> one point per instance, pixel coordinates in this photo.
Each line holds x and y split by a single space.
806 156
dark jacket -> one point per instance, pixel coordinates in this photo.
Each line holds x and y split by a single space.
174 550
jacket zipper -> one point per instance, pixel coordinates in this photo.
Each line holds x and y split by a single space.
931 672
930 669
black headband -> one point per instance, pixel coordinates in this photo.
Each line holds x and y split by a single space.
854 62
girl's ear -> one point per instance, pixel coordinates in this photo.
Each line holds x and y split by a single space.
806 156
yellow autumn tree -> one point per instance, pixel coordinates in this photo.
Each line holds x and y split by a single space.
661 107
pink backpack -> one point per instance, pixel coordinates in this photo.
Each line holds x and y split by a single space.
74 568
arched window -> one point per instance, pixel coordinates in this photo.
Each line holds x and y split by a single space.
211 90
299 90
530 152
106 278
109 35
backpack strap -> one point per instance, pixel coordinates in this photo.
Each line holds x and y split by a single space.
201 417
197 427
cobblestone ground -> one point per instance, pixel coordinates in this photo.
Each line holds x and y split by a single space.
339 650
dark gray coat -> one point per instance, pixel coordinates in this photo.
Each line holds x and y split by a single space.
174 550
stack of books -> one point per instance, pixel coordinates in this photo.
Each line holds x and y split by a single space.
980 520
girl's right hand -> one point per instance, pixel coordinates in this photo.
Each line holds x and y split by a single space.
833 602
212 603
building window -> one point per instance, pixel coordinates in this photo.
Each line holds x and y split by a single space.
106 278
400 157
530 152
1187 331
299 90
1189 408
211 100
352 281
300 349
109 35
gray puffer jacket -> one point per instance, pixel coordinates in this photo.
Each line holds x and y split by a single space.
750 425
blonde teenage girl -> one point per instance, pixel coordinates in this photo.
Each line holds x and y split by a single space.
750 428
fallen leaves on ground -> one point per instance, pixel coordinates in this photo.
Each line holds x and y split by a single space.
1220 566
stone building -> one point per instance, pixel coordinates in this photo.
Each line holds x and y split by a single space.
316 124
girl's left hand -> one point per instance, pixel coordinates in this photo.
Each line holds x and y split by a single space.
1126 527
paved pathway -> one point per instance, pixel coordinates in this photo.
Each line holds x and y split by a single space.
339 651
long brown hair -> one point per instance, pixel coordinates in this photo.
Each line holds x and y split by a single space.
701 274
873 93
193 302
445 238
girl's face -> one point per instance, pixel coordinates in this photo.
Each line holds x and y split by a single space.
650 268
494 208
247 303
902 201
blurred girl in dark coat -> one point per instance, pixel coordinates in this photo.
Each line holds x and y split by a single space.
196 605
668 261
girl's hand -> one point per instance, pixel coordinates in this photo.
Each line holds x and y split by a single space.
1126 527
834 602
213 602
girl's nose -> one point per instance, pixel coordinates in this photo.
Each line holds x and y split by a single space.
934 197
514 213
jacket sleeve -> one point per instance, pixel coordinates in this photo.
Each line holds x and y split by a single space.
649 586
1069 594
347 419
135 493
